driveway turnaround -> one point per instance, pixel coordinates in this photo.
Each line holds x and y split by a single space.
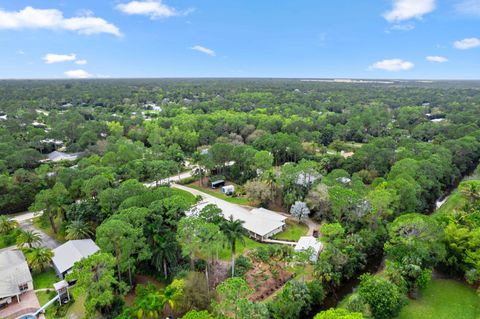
260 223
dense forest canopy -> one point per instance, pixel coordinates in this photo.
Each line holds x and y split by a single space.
366 161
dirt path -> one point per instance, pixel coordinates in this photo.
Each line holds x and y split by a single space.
312 226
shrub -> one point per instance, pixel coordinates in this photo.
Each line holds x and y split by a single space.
242 265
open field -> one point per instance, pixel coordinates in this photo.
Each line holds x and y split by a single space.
444 299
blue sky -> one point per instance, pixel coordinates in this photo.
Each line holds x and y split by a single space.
417 39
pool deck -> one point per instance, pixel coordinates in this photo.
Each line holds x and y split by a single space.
28 304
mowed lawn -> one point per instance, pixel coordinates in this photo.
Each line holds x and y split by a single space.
444 299
293 231
218 194
45 279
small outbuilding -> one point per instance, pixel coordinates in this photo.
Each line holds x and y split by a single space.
228 189
309 243
66 255
217 183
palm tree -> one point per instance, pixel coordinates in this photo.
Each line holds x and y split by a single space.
151 305
164 248
78 229
7 224
233 231
38 258
270 179
29 238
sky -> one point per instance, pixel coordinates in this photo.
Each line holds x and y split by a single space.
400 39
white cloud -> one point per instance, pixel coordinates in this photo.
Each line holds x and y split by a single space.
57 58
152 8
81 62
78 74
207 51
467 43
436 58
469 7
408 9
392 65
21 52
53 19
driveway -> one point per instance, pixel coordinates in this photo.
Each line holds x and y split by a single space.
256 221
47 241
26 223
171 179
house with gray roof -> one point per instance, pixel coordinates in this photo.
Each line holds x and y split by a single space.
15 276
57 156
66 255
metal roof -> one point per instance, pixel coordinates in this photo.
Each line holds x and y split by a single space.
259 221
66 255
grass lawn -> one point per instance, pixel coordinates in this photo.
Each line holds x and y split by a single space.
45 279
75 310
444 299
43 297
455 201
293 232
230 199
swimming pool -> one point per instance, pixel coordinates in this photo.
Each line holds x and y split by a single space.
28 317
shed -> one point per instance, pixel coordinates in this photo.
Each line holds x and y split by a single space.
217 183
228 189
309 242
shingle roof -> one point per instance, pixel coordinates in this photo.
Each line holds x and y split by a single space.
13 271
66 255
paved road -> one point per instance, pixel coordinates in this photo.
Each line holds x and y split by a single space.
21 217
171 179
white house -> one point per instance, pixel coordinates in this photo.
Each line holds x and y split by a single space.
66 255
15 277
309 243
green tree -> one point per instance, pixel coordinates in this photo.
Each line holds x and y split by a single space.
292 301
385 298
125 242
231 293
415 244
195 314
52 202
78 229
28 238
7 224
38 258
338 313
233 231
96 279
263 161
